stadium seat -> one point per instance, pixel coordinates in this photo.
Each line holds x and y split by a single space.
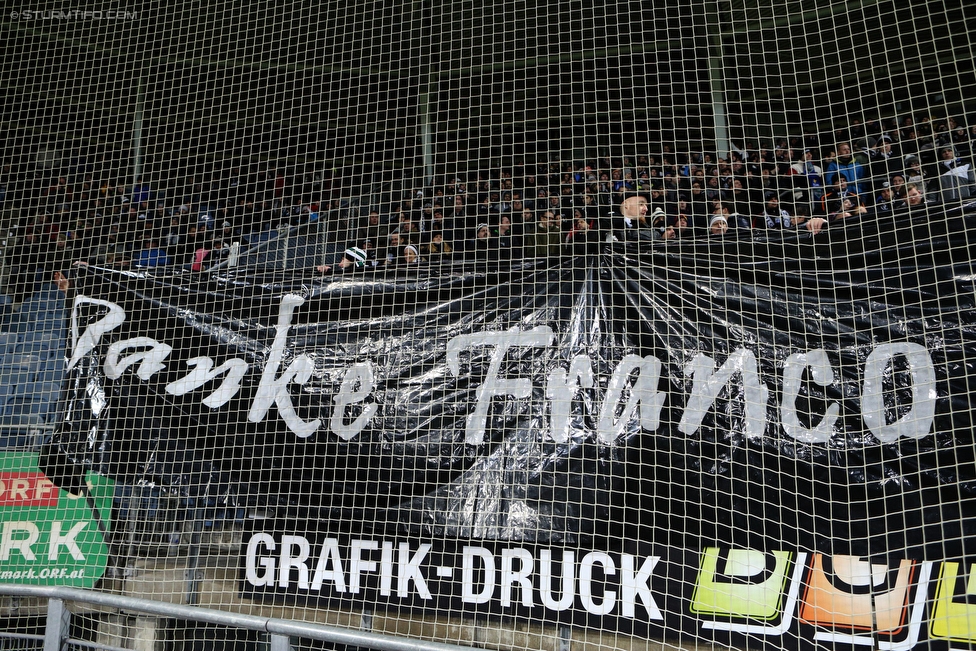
46 399
8 342
52 371
42 344
16 438
20 361
17 412
15 378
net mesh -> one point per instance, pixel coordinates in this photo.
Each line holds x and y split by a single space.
516 325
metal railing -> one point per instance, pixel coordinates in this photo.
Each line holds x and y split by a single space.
280 631
294 247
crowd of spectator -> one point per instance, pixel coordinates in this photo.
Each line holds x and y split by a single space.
805 182
72 216
544 209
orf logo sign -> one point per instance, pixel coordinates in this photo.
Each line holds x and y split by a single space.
27 489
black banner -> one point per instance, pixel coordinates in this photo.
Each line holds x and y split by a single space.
788 392
787 599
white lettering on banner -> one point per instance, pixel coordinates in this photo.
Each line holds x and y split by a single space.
917 422
67 540
642 374
568 580
11 539
19 489
468 594
22 535
410 571
358 564
513 575
707 383
823 375
44 573
356 386
81 346
329 556
274 390
520 577
386 569
290 560
47 573
43 489
150 361
493 385
644 395
609 598
561 388
203 372
633 585
253 561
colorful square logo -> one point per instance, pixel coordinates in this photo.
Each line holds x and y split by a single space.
850 594
954 612
742 584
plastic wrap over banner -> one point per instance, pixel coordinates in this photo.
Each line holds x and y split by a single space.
789 392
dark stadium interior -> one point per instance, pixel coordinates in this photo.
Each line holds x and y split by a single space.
218 86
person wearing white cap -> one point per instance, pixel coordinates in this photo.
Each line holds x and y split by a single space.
482 246
718 224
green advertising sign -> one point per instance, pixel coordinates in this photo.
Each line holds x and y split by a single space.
741 582
47 536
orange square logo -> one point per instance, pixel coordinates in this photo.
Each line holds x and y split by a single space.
848 593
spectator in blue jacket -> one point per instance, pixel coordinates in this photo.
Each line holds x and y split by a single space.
151 255
849 166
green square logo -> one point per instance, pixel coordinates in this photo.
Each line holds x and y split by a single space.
741 584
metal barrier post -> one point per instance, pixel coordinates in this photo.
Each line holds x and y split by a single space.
282 248
565 638
144 631
112 631
58 624
280 642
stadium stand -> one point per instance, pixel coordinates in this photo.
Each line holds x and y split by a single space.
32 347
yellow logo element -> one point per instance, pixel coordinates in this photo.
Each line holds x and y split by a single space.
954 615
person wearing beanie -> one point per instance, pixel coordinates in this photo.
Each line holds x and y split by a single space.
482 246
659 220
718 225
353 259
